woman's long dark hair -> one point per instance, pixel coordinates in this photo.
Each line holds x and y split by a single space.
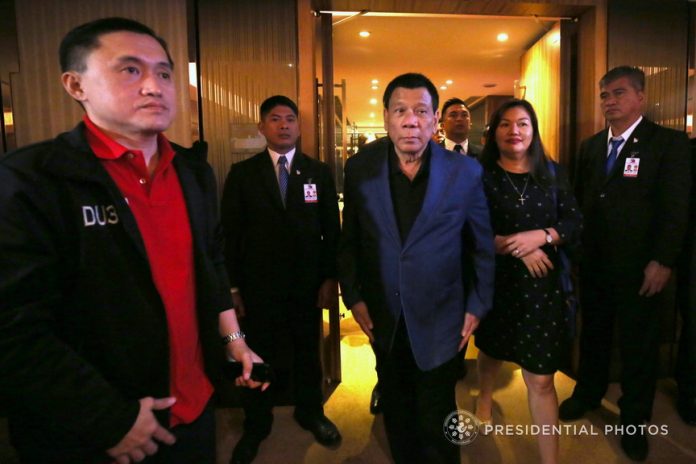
538 161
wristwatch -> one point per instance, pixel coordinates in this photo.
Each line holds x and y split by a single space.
230 337
549 237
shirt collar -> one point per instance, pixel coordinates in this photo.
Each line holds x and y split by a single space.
449 144
394 168
626 134
106 148
289 156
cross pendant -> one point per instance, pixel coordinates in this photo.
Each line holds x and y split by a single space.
521 199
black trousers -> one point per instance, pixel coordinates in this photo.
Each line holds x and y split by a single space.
608 301
195 442
285 335
416 404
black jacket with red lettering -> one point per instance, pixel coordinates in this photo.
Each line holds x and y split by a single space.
83 331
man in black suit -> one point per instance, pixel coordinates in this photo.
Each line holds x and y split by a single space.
280 215
632 183
456 123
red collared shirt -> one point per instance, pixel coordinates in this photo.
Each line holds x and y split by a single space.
158 204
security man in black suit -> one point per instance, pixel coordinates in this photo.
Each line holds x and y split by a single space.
632 182
456 123
281 221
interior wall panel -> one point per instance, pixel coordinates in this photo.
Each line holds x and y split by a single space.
248 53
42 108
541 86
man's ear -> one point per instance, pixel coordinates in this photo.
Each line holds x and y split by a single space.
72 83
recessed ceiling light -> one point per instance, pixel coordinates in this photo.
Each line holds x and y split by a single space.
375 81
290 65
502 37
375 87
373 101
449 82
364 33
372 115
443 87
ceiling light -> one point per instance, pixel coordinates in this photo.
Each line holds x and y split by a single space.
372 115
502 37
373 101
449 82
443 87
364 33
375 87
290 65
375 81
555 39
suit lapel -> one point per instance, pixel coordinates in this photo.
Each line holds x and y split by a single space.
438 180
381 192
632 147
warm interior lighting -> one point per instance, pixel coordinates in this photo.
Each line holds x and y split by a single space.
449 82
9 120
375 87
443 87
372 115
364 34
555 39
290 65
375 81
689 122
502 37
193 75
373 101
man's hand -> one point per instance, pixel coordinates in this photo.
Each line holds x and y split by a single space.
141 440
523 243
362 317
470 324
656 277
538 263
328 295
238 304
240 351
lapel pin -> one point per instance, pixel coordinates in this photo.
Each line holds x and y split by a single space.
635 140
297 172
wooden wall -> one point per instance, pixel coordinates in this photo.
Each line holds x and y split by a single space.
42 108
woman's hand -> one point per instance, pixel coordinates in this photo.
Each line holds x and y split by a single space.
538 263
521 244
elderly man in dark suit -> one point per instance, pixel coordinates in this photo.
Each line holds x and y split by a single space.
412 213
456 124
632 183
281 221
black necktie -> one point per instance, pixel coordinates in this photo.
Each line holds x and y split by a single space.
458 148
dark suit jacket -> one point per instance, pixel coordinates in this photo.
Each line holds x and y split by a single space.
630 221
422 278
274 252
83 332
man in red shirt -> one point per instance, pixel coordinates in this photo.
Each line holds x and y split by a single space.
113 295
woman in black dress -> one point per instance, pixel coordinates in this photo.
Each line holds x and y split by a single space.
532 211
